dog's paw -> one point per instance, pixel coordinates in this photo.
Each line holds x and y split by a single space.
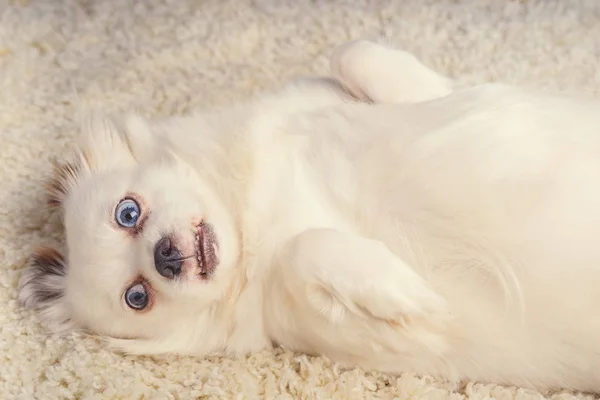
373 72
396 293
348 273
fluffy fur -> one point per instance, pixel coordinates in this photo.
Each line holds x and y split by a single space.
418 229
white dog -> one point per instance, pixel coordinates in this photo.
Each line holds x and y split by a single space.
379 218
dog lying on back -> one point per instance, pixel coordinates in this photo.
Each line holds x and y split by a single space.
378 217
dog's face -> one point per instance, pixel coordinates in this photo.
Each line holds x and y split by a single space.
152 249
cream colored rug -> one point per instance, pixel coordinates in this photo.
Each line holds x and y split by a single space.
165 57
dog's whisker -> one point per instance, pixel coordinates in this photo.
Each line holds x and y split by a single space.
184 258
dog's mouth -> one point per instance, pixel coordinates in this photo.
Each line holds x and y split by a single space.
206 245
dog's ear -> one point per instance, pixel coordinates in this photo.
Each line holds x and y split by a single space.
101 146
104 144
143 143
42 288
107 142
64 178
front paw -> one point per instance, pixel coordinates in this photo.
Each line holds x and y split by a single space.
399 294
349 274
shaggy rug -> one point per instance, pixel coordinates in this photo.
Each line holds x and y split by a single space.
169 56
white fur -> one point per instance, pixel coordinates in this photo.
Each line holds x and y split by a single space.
431 231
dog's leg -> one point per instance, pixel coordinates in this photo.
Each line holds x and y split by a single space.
343 273
373 72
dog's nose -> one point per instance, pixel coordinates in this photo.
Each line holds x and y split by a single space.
167 259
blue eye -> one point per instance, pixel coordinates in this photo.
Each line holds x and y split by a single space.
136 297
127 213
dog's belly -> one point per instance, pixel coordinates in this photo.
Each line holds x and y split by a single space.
493 162
491 194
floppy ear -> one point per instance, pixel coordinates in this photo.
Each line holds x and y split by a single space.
42 288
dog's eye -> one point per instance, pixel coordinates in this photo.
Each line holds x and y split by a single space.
127 213
136 297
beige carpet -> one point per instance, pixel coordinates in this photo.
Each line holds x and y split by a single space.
164 57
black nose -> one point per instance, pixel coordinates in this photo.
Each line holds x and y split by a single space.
167 259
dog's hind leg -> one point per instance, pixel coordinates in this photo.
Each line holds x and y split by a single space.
366 72
379 74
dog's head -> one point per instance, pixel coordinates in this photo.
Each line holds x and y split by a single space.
152 248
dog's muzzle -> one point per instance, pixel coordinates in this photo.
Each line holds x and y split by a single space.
168 260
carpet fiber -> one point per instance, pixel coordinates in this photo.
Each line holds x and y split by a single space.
167 57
